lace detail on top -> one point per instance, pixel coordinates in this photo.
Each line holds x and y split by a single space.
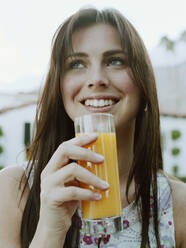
131 235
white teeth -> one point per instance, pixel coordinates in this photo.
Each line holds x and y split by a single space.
95 102
99 103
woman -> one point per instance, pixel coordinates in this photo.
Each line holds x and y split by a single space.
97 55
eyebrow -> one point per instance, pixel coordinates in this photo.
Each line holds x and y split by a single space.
105 54
80 54
113 52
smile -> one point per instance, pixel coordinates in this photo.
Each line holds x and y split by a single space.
99 103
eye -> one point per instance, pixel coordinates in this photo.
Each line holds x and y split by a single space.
76 64
115 61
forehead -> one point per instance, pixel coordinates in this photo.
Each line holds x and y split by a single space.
97 36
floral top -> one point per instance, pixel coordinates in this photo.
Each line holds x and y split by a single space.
130 237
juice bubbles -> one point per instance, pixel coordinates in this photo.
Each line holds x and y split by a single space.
110 204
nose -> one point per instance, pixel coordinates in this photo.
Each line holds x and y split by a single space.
97 77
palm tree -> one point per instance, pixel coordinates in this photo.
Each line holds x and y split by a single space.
167 43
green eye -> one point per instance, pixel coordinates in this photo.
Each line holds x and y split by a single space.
115 61
76 65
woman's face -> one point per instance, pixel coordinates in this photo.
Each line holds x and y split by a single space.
97 78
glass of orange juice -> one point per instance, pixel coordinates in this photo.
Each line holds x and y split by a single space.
103 216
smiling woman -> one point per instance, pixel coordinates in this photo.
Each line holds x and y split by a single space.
97 78
98 64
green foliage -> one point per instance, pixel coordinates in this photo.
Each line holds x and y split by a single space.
175 134
169 44
175 169
1 149
175 151
1 167
175 172
183 179
1 131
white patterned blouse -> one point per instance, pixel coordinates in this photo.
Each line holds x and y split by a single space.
130 237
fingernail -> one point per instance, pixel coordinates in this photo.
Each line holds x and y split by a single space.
93 135
104 184
97 196
100 157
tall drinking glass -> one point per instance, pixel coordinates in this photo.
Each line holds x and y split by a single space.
103 216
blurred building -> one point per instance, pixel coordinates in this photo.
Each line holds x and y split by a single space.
17 113
169 62
171 87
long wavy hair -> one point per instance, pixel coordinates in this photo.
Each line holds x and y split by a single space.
53 126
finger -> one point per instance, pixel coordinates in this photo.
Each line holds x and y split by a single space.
65 194
60 159
67 151
72 183
75 172
83 139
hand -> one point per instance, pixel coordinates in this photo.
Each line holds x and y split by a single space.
60 194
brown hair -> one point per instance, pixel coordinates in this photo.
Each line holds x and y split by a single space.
53 126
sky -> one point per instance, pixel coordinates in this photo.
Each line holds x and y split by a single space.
27 28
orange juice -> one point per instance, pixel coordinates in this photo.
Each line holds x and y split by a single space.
110 204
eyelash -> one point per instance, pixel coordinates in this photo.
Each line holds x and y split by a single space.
110 60
74 63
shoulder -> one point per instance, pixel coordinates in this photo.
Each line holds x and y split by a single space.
12 182
178 189
12 173
178 192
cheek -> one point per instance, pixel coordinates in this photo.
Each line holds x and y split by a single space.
69 88
128 87
125 83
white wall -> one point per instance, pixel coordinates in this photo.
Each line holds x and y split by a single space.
12 124
167 125
13 140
